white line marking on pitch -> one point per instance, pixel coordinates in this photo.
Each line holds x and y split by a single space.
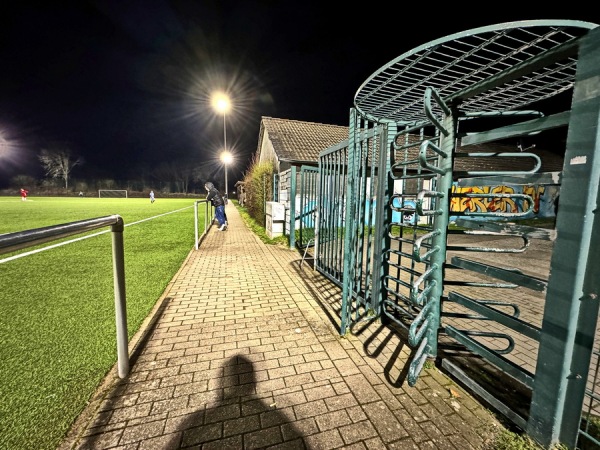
20 255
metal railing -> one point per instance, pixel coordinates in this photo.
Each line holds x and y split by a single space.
28 238
209 216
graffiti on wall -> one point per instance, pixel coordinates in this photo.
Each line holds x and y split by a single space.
543 199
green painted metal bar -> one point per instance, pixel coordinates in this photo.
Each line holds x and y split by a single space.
545 178
362 231
520 249
440 222
292 200
494 303
482 308
478 173
506 365
420 326
373 261
572 302
510 276
507 228
308 194
517 130
349 226
504 409
427 322
275 187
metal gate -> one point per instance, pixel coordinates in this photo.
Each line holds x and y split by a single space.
347 223
299 194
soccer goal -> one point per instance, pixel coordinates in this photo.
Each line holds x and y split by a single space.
112 193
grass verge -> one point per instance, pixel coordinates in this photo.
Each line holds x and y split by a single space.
57 317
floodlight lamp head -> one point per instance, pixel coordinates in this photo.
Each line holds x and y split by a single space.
221 103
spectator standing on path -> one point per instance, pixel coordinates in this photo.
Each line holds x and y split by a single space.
215 197
24 193
151 196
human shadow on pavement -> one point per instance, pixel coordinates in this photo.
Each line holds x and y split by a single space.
231 415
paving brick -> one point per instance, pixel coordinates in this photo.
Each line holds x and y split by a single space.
326 374
276 416
172 440
141 432
411 426
257 406
384 421
130 412
192 419
325 440
283 400
332 420
263 438
298 380
189 388
232 442
169 404
310 409
241 425
296 444
357 431
104 440
299 428
201 434
323 391
362 389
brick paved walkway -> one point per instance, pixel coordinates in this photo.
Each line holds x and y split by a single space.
243 352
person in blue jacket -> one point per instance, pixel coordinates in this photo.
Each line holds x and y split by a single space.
215 197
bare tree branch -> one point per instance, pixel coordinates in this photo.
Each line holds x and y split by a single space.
58 163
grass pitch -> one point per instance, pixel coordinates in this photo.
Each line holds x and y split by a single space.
57 316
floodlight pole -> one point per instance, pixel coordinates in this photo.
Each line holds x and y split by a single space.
225 147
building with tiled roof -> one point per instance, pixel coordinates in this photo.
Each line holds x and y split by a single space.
293 142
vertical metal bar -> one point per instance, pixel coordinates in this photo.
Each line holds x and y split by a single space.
363 167
196 225
349 229
383 215
209 214
302 193
444 186
332 216
293 207
571 310
336 214
120 303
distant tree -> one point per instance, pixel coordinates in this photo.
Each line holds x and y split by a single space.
58 163
180 173
23 181
107 183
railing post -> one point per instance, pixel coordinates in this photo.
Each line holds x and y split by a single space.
196 224
120 304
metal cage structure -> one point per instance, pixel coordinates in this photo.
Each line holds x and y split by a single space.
492 296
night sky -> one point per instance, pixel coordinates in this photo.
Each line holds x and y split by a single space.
126 84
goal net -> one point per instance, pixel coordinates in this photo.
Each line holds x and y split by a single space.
112 193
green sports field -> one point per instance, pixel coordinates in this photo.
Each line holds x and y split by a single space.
57 315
